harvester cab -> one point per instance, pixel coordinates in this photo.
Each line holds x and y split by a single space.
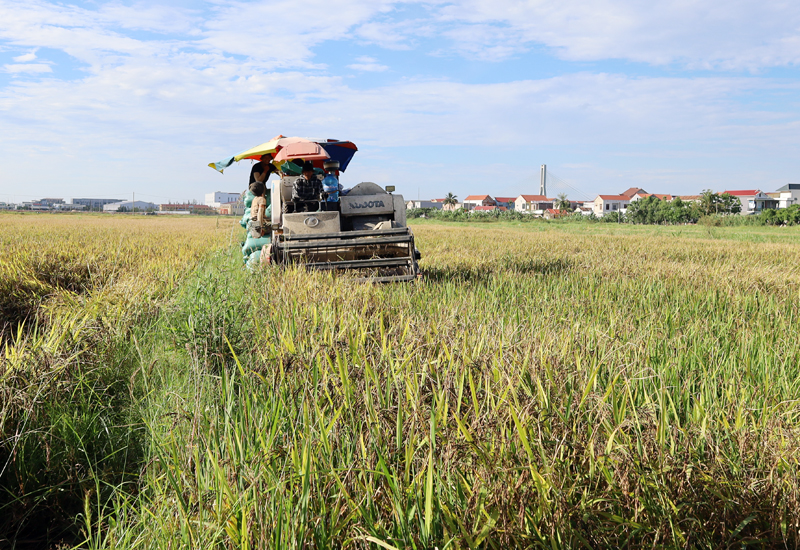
363 231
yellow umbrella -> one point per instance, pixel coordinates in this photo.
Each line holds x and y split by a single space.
271 146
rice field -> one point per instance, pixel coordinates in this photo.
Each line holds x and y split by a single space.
553 385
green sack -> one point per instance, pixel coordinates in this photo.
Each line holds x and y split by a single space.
245 218
252 244
248 198
253 260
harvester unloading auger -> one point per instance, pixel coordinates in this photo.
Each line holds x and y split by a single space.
361 230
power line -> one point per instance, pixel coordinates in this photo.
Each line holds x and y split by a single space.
561 183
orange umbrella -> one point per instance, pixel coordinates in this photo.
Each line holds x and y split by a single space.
306 150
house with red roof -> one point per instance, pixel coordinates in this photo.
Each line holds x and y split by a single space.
664 197
478 200
489 208
605 204
552 214
630 193
753 200
532 203
508 202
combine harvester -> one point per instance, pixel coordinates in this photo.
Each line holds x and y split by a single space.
361 230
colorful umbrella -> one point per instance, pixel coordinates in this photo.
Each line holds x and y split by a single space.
306 150
342 151
271 146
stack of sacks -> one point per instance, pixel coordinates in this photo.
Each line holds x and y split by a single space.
251 248
248 202
253 260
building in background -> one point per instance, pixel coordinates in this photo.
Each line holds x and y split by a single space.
754 200
232 208
424 204
532 203
69 207
489 208
193 208
50 202
787 195
660 196
508 202
218 198
606 204
478 200
552 214
130 206
94 204
631 192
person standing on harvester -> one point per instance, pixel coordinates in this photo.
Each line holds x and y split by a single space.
262 170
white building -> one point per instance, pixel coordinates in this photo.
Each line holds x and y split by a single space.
478 200
129 206
788 195
424 204
754 200
605 204
532 203
218 198
94 204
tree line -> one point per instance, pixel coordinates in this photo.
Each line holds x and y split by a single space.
715 208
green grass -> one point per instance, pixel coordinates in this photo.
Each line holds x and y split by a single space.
547 385
756 234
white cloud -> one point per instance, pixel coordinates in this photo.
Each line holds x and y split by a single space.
157 109
36 68
739 34
368 64
278 34
158 123
25 57
148 17
390 34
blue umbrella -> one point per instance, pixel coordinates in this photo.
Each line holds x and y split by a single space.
341 151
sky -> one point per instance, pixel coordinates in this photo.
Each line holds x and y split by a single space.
107 99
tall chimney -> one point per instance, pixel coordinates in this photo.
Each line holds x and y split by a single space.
543 184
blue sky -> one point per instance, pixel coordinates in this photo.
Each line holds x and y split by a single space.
110 98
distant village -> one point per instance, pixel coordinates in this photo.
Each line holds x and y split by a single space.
215 203
752 201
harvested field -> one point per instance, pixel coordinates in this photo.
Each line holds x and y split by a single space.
546 385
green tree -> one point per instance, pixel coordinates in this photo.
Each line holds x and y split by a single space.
562 203
451 199
729 204
709 202
716 203
653 210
